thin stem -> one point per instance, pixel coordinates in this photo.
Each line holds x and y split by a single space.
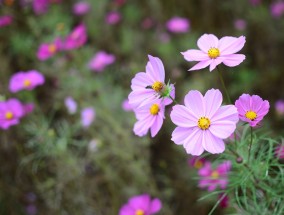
250 144
173 100
223 84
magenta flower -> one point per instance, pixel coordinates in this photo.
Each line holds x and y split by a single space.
28 108
81 8
10 113
5 20
213 52
126 106
279 151
113 18
151 117
100 61
277 9
252 109
40 6
279 107
149 86
240 24
141 205
196 162
71 105
224 203
212 178
178 25
77 38
25 81
47 50
87 116
203 123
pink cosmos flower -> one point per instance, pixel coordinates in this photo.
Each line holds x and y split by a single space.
81 8
178 25
141 205
77 38
71 105
196 162
240 24
113 18
47 50
277 9
149 86
10 113
5 20
40 6
28 108
25 81
279 107
252 109
126 106
147 23
100 61
87 116
213 52
151 117
203 123
212 178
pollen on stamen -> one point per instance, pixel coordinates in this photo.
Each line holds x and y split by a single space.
9 115
251 115
157 86
52 48
213 53
204 123
214 175
139 212
154 110
27 83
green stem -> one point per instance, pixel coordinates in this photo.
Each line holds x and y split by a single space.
224 86
250 144
173 99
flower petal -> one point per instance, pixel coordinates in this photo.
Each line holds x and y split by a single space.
213 100
226 113
180 134
193 143
233 59
140 81
183 117
214 63
207 41
155 206
195 103
200 65
195 55
212 144
155 128
222 129
231 45
155 69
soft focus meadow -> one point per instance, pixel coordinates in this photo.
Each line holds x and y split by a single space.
84 130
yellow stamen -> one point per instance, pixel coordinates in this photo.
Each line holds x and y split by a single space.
157 86
27 83
9 115
251 115
154 110
213 53
139 212
198 164
203 123
52 48
215 175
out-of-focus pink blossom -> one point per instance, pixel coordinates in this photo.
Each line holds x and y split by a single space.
47 50
40 6
196 162
126 106
31 209
240 24
81 8
224 203
279 107
277 9
70 104
87 116
77 38
113 18
25 81
279 151
147 23
5 20
178 25
100 61
28 108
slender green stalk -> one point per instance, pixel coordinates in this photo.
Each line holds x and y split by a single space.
224 86
173 99
250 144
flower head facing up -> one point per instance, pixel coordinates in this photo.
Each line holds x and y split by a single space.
77 38
212 178
47 50
87 116
178 25
151 117
10 113
141 205
203 123
25 81
148 87
213 52
252 109
100 61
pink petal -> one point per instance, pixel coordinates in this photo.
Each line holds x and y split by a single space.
212 144
141 127
155 69
233 59
193 143
226 113
213 100
180 134
207 41
156 126
140 81
141 97
195 103
155 206
243 103
183 117
214 63
195 55
140 202
200 65
222 129
231 45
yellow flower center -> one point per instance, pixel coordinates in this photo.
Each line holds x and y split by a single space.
154 110
139 212
27 83
52 48
213 53
157 86
215 175
9 115
251 115
198 164
203 123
